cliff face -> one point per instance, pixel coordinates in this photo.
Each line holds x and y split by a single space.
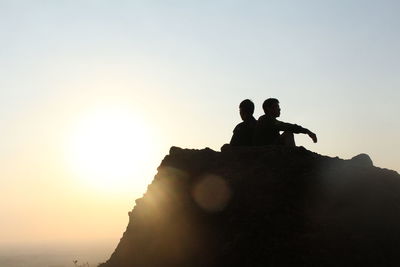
263 206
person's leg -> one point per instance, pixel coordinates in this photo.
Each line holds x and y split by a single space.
287 139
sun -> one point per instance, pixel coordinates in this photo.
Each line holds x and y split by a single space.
111 149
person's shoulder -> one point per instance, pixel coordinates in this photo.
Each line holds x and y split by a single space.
262 117
250 123
266 119
238 127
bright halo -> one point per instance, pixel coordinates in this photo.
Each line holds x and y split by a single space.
111 149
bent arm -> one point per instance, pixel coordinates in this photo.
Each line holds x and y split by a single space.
294 128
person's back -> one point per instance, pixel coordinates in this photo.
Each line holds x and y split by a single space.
268 128
266 132
244 131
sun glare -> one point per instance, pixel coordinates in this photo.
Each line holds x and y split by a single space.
111 149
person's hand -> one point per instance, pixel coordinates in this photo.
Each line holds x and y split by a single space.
313 136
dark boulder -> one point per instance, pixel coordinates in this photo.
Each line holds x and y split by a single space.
263 206
362 159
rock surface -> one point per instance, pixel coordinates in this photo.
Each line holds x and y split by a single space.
263 206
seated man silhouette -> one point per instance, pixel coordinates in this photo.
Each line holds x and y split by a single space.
244 131
268 128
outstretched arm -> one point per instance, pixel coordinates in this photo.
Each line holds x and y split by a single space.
312 135
294 128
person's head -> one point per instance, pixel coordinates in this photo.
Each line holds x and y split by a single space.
271 107
246 109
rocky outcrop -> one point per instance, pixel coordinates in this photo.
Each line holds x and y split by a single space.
263 206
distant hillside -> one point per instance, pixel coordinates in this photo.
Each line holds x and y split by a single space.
263 206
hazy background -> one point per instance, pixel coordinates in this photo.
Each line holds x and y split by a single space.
181 68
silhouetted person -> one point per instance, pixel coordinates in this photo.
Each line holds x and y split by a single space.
268 128
244 131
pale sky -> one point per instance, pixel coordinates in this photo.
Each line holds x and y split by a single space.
172 73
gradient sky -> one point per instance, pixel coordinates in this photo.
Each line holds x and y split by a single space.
182 68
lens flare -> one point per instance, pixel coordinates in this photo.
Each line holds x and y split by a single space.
212 193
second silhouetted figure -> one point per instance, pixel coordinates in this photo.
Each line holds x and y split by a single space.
244 131
268 128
